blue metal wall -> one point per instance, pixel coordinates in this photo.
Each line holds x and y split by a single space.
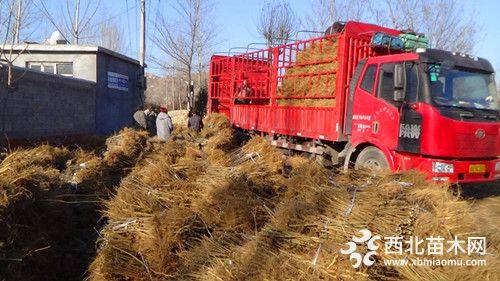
114 108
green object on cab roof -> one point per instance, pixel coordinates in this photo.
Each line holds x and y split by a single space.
413 41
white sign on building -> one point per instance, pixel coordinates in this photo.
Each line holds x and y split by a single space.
117 81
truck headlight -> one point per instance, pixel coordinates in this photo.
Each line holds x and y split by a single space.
443 168
497 167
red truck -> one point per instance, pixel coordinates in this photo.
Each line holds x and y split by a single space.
426 109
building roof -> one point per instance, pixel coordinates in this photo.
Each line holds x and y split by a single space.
69 48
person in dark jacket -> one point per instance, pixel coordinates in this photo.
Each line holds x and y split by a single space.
244 92
194 122
151 115
140 118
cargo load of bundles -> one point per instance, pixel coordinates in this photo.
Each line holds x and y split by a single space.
311 79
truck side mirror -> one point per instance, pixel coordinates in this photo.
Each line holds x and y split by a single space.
399 82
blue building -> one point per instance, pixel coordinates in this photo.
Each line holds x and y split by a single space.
119 80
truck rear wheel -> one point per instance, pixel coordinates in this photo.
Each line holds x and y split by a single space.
371 158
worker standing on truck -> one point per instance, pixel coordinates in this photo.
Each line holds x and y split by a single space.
164 125
243 93
140 118
194 121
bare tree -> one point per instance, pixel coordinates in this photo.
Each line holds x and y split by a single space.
277 22
24 21
444 22
110 36
324 13
186 40
75 19
11 18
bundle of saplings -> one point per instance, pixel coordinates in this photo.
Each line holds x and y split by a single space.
311 75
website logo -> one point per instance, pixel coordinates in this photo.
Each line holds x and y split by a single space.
357 258
430 251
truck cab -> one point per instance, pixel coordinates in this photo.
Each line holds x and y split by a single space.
429 110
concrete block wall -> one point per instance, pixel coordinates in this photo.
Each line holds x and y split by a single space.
45 105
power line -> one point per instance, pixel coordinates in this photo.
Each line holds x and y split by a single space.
115 16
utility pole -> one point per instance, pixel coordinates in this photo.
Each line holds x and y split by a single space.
18 21
332 12
77 19
172 90
142 51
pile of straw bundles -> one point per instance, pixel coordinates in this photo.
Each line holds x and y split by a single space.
50 203
259 216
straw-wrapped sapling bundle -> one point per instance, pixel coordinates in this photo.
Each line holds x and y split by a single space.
442 214
124 148
22 171
218 157
262 164
88 168
220 138
149 220
229 203
182 133
223 140
213 124
123 151
179 118
311 75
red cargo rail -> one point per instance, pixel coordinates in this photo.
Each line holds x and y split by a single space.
265 71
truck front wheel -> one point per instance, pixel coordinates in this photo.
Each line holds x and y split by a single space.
371 158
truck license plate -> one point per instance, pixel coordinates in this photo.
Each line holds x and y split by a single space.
477 168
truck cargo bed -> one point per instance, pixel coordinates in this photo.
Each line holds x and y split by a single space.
298 89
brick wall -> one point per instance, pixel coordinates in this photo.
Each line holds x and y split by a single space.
45 105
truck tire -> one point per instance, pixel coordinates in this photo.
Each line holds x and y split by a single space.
372 158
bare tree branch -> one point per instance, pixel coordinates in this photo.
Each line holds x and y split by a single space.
324 13
443 21
277 22
185 39
111 36
68 25
26 21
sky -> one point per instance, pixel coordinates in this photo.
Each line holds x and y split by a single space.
236 20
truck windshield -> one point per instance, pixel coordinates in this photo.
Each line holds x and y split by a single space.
462 88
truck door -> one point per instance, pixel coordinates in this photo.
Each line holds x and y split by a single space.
385 123
379 118
361 101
